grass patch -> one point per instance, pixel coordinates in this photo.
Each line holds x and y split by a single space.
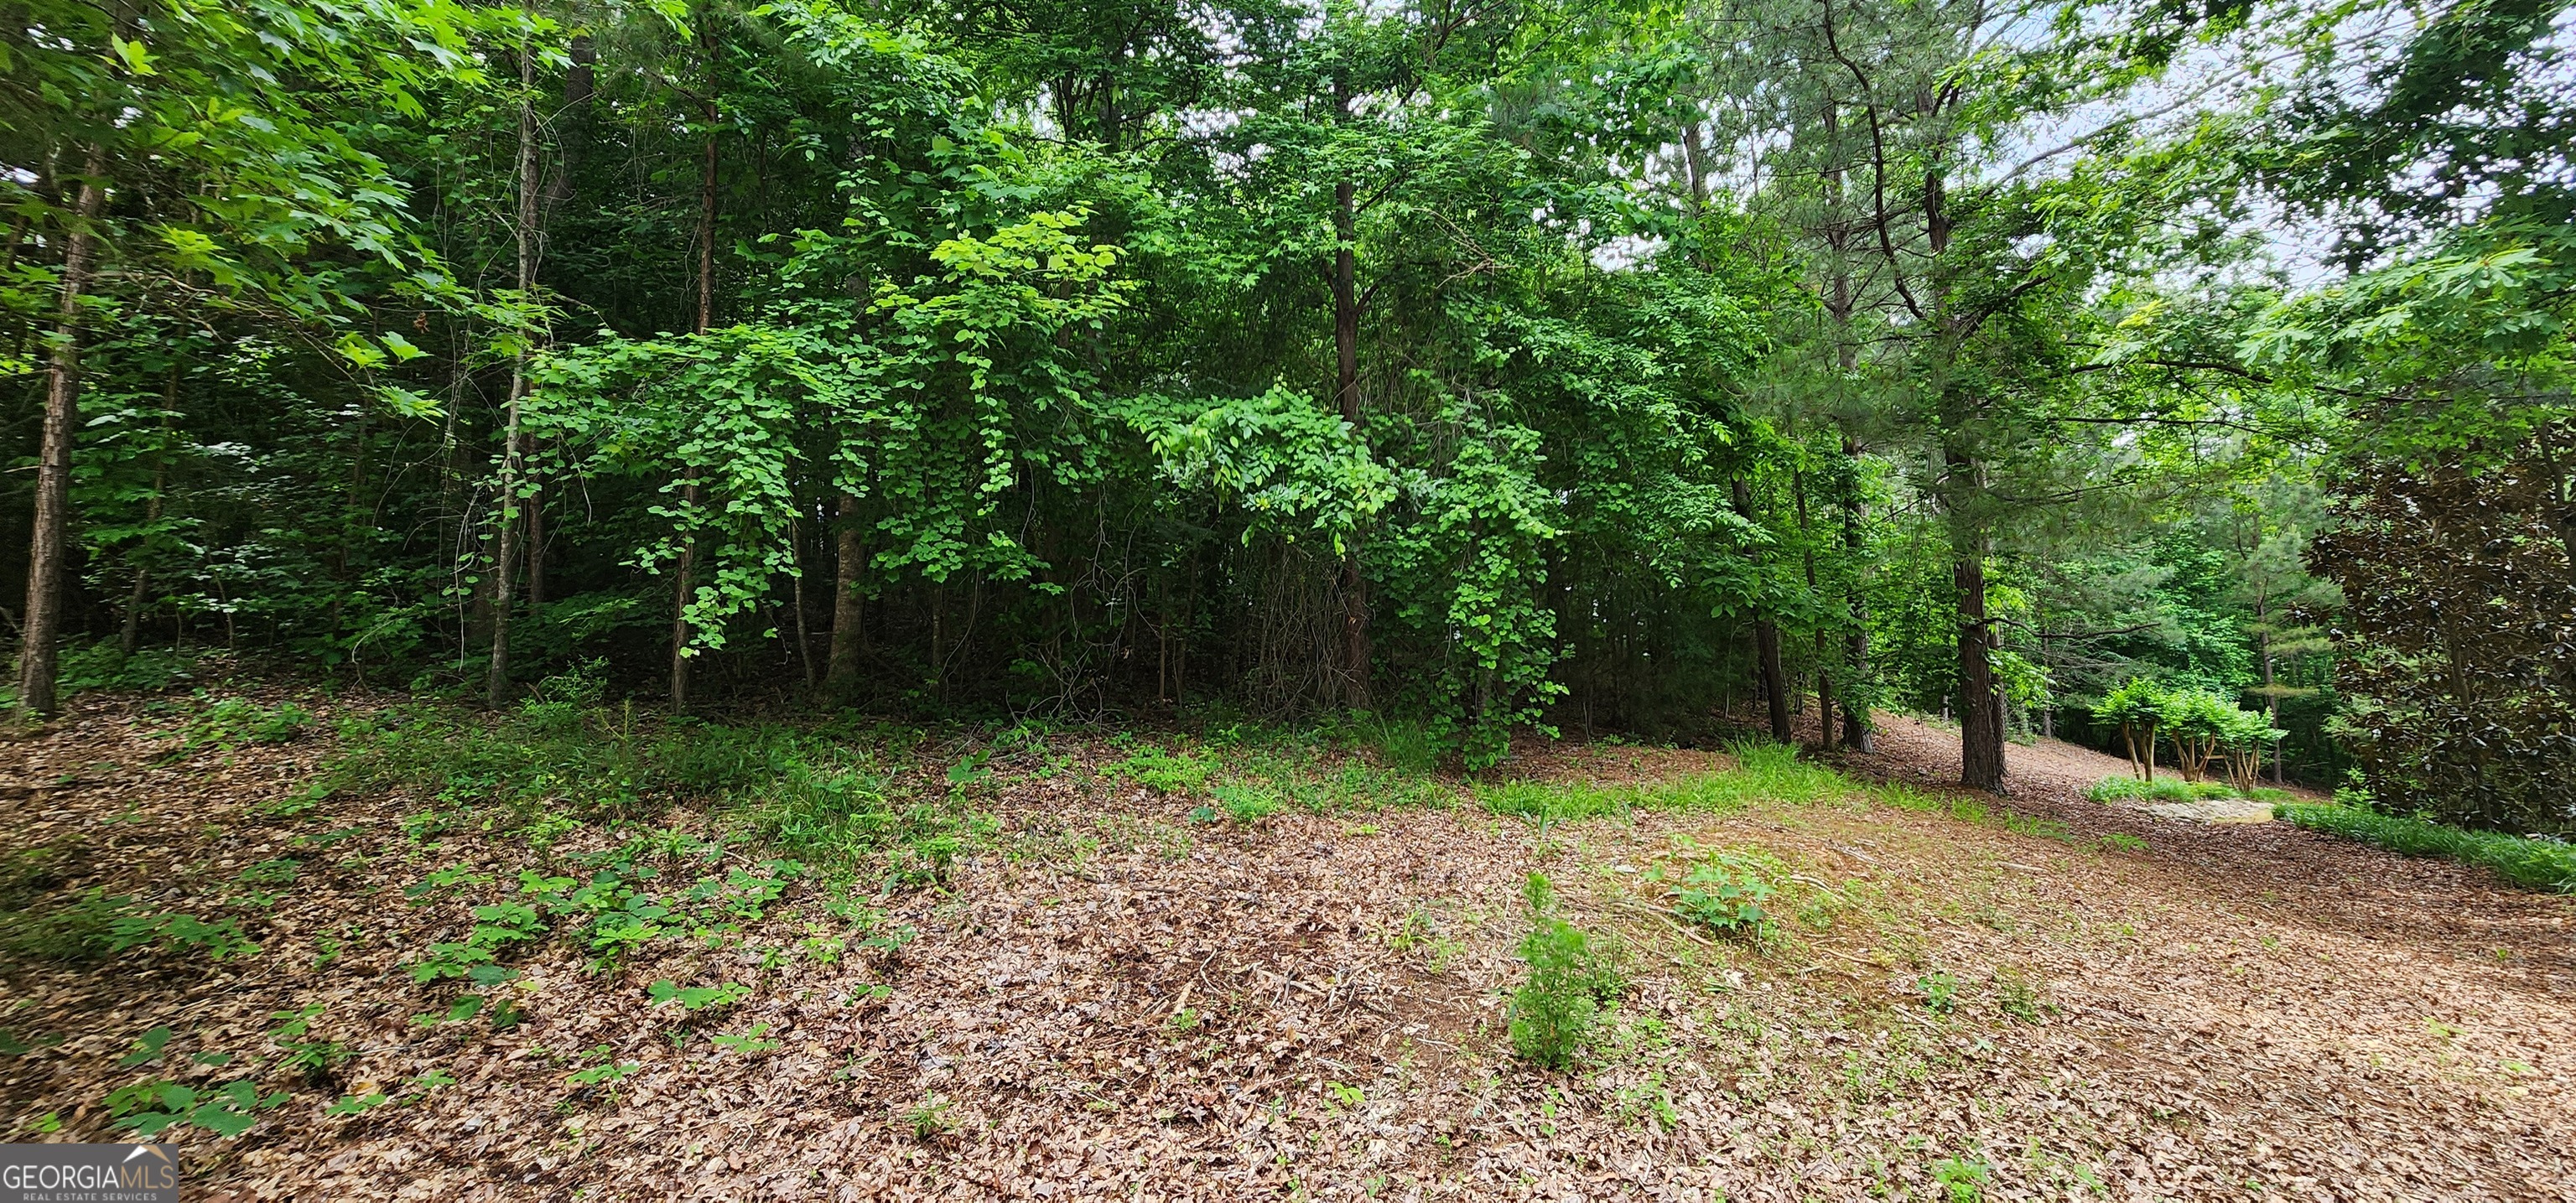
2130 789
2538 863
1763 772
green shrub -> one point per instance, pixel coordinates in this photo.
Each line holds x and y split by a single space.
1571 975
2542 864
102 666
1726 893
1552 1012
1162 771
1245 804
238 722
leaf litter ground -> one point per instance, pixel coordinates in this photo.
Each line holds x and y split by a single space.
1115 997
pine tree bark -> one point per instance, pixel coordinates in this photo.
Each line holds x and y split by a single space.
1840 301
37 651
496 677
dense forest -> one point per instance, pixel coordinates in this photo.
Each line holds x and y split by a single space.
1596 366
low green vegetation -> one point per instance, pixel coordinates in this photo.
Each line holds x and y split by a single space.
2130 789
1572 974
835 797
2537 862
1728 893
2168 789
1763 772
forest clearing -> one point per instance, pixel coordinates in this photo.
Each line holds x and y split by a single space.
1281 599
1132 981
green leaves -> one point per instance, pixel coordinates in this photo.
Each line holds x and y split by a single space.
699 998
226 1111
1297 467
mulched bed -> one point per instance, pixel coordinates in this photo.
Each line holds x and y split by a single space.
1111 1001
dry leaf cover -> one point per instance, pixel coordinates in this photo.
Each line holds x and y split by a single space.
1120 992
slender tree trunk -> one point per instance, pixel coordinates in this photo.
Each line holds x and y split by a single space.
1693 159
1766 637
536 554
131 636
2047 713
46 550
804 641
938 628
690 492
1346 392
843 674
1856 719
1827 732
496 678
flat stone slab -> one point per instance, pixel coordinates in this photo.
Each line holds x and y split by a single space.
2213 810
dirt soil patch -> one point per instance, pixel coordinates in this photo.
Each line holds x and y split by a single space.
1114 997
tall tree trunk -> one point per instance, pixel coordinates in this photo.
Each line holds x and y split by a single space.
496 677
1766 636
46 551
2047 713
1346 392
1827 732
580 84
2271 697
690 492
1981 708
131 636
1856 718
843 674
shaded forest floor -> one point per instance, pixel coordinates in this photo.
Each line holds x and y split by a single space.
1117 990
